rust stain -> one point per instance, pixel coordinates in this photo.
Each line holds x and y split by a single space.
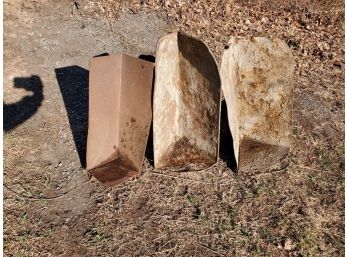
114 170
184 156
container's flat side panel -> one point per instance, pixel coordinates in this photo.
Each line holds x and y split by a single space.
104 93
135 121
265 91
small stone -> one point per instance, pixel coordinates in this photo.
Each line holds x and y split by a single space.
289 245
264 20
323 46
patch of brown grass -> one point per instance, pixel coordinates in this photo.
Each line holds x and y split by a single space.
293 212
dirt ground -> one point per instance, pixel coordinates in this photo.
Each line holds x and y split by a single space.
51 208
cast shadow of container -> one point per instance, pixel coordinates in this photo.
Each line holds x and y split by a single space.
149 147
19 112
226 140
73 84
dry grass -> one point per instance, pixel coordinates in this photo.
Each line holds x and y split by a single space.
298 211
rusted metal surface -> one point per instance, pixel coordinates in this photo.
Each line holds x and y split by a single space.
257 83
119 117
186 104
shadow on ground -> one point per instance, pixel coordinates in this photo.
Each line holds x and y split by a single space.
73 84
226 140
149 147
17 113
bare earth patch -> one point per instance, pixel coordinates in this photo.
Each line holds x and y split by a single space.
51 207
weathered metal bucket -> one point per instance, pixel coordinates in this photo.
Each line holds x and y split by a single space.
186 104
257 83
120 114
